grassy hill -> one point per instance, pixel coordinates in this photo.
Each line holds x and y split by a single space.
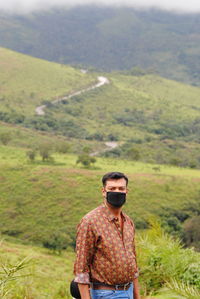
156 117
109 38
42 201
153 119
26 82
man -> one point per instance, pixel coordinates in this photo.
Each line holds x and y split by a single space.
105 263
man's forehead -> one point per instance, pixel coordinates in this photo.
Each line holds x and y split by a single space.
116 182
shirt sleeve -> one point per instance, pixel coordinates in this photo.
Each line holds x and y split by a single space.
85 248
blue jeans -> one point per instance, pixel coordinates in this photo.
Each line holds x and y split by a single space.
112 294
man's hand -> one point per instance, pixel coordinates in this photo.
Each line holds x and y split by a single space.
84 290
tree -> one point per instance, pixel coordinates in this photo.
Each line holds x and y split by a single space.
45 150
85 160
57 242
63 147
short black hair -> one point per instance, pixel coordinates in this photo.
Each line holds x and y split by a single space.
114 176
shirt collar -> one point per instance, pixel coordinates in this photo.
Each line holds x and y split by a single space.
107 213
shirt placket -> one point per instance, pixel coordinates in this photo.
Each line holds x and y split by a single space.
119 230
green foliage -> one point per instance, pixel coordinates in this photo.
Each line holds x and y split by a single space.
163 262
63 147
34 281
10 273
86 160
184 289
56 242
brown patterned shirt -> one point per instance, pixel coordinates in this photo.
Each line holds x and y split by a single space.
104 253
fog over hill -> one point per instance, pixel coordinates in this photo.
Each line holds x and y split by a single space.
23 6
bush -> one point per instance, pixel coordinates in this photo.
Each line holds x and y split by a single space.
161 259
85 160
63 147
57 242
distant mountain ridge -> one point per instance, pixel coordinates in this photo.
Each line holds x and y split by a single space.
110 39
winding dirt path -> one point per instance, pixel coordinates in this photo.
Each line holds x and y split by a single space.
101 81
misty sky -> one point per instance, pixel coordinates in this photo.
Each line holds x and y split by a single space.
30 5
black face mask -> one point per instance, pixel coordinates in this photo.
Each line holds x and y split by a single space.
116 199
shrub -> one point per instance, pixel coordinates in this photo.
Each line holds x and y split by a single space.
57 242
63 147
85 160
162 258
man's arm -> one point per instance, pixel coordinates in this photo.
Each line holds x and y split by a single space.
85 247
136 290
84 290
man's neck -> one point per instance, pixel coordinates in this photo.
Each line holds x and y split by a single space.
115 211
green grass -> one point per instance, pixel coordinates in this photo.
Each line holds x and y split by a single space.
25 82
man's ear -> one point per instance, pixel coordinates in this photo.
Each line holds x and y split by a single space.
103 192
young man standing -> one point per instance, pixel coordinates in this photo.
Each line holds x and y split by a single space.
105 263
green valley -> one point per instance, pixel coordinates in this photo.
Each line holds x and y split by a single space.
52 164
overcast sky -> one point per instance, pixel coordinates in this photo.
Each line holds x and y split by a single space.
30 5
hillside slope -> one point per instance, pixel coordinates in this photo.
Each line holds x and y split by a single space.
41 201
158 120
26 82
109 38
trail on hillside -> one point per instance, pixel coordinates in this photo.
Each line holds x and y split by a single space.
101 81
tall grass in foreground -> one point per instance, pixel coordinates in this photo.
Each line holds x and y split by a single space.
9 274
164 263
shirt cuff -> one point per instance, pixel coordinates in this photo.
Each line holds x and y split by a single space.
136 274
82 278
